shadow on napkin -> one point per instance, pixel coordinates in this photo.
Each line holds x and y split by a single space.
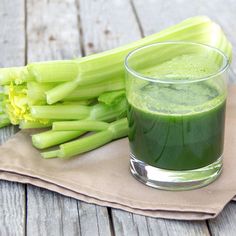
102 177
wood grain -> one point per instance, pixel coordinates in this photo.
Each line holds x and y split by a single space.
52 30
49 213
94 220
12 48
107 24
224 224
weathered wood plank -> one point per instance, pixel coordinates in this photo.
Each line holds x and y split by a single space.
49 213
126 223
51 35
94 220
130 224
12 48
107 24
12 33
224 224
52 30
177 227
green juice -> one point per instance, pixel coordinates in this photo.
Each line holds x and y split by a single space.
177 127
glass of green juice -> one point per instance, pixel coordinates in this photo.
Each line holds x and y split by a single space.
176 93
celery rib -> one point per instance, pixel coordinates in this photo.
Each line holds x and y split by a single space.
83 125
51 138
62 112
116 130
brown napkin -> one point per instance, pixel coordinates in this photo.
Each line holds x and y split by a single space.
102 177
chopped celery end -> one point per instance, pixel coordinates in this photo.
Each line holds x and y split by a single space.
24 124
51 138
49 154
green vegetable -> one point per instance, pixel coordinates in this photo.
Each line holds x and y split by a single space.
115 130
83 125
81 95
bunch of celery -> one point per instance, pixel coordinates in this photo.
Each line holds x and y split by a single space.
74 97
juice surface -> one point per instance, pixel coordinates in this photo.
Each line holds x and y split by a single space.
177 127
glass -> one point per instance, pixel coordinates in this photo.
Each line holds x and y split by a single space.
176 93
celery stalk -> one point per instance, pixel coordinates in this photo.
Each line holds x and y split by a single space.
50 138
108 65
54 71
94 90
99 111
36 92
62 112
116 130
61 91
84 125
33 125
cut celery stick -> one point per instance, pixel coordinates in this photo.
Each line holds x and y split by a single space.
116 129
61 112
49 154
50 138
24 124
84 125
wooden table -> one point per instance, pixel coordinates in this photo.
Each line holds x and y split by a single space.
34 30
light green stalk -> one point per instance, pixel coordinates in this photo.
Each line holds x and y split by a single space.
49 154
50 138
61 112
54 71
24 124
116 130
61 91
83 125
108 65
99 111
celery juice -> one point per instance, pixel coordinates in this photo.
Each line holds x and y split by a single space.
177 126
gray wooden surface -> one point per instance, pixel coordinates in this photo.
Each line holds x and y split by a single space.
33 30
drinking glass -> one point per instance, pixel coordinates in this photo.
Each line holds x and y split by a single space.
176 93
